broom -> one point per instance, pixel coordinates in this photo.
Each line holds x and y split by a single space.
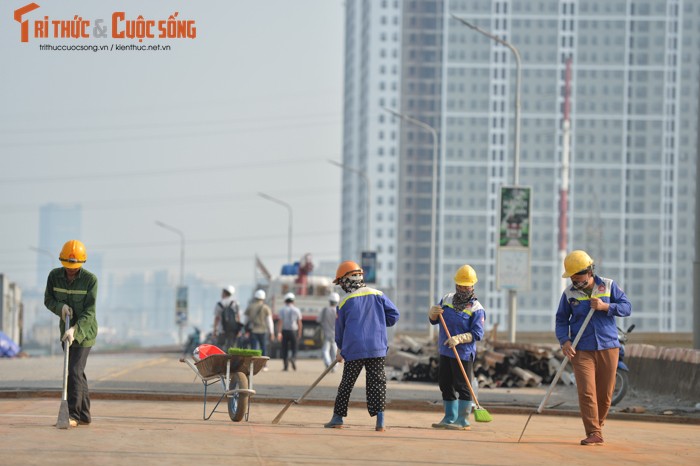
480 414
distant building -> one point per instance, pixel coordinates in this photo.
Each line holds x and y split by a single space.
370 139
634 148
58 223
11 309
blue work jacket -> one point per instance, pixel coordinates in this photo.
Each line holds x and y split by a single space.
471 319
360 328
601 332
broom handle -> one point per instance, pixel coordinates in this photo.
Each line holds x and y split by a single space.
313 385
459 361
565 361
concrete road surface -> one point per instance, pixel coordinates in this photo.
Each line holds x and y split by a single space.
147 409
159 432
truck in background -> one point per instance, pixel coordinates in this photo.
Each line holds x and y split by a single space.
311 295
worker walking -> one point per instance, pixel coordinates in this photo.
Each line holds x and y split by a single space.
327 321
595 357
464 317
259 322
289 330
71 291
361 335
227 319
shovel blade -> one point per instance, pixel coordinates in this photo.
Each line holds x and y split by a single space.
63 421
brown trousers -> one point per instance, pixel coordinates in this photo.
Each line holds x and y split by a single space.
595 382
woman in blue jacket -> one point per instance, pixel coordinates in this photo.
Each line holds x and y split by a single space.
595 357
464 317
360 333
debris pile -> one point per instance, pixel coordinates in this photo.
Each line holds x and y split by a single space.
498 363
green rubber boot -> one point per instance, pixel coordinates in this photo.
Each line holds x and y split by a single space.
450 414
462 422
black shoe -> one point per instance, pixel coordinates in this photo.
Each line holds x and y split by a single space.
294 364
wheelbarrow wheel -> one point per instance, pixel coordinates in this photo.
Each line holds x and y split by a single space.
238 402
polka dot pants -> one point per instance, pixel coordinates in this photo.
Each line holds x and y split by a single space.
375 385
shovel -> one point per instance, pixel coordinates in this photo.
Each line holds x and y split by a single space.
277 418
559 372
63 421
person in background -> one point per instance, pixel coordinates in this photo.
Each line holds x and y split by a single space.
289 331
327 321
361 336
464 317
71 292
226 319
259 322
595 357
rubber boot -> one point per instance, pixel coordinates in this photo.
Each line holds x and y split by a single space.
336 422
380 422
462 422
450 414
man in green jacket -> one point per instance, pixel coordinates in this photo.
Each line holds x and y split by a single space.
71 291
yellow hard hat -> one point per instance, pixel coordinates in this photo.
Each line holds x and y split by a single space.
346 268
575 262
466 276
73 254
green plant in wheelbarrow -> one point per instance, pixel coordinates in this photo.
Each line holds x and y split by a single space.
244 352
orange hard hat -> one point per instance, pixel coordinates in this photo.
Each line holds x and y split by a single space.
73 254
346 268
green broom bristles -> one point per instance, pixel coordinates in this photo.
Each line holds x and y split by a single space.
481 415
244 352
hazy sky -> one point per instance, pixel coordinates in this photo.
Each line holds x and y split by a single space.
187 136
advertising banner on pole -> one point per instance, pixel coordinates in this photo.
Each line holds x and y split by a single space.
513 261
181 305
369 266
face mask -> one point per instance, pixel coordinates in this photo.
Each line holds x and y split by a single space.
580 285
464 295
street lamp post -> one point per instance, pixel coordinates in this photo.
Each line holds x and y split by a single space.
512 294
182 248
289 233
433 210
180 289
518 75
365 178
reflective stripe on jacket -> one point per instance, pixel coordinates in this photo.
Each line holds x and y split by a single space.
601 332
471 319
360 328
80 295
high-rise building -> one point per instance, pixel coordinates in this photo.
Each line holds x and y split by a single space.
370 141
58 223
634 148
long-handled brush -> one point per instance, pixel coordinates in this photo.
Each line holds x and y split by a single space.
277 418
480 414
559 372
63 421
